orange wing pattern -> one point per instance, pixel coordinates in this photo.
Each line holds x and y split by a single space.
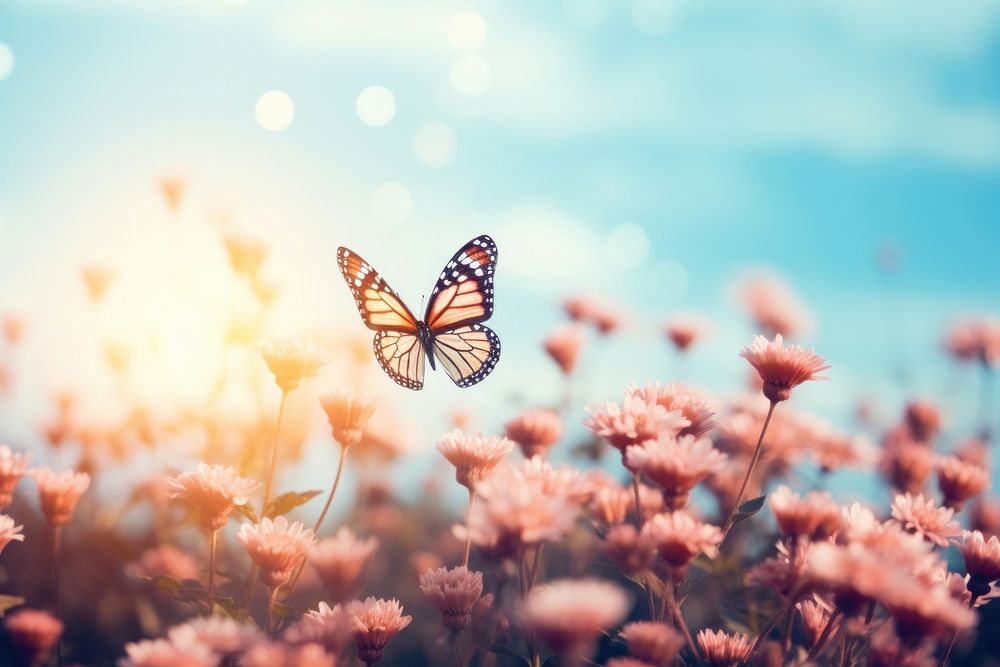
401 356
468 354
463 294
379 305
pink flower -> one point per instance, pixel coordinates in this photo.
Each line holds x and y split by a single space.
348 412
783 368
679 537
34 633
975 339
59 492
375 622
815 615
721 649
214 490
598 312
982 561
785 572
535 431
633 422
634 552
923 419
922 516
454 593
13 327
292 361
569 615
652 643
683 330
166 559
676 465
339 561
563 346
224 636
774 306
564 481
325 625
164 653
959 480
13 466
276 654
906 464
9 532
610 504
676 396
276 547
474 456
814 517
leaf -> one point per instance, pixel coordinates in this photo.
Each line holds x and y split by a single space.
749 508
167 583
286 502
8 601
504 649
248 512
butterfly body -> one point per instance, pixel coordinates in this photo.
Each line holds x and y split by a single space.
452 330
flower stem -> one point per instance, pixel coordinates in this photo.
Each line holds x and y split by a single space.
56 571
823 637
271 599
213 543
678 616
274 455
468 535
642 522
746 479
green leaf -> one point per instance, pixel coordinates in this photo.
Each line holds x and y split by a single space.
248 512
286 502
8 601
167 583
749 508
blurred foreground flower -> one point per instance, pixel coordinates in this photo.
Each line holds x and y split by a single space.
166 653
684 330
59 492
34 634
97 279
774 307
13 466
9 532
246 253
339 561
454 593
535 431
563 346
652 643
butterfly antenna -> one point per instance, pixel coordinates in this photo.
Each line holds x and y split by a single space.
422 297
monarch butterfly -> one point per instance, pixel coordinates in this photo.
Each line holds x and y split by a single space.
452 330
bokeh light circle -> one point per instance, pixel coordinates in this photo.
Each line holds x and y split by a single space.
435 144
470 75
275 110
391 202
6 61
467 31
376 105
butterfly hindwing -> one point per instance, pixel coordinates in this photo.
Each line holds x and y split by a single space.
463 294
379 305
401 356
467 354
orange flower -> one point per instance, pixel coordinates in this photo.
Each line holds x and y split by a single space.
292 361
9 532
563 345
924 517
783 368
474 456
214 490
348 412
676 396
246 253
535 431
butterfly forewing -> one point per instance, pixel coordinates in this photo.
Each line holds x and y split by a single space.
401 356
379 305
467 354
463 294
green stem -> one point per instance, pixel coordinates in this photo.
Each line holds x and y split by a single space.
746 478
271 599
213 541
274 456
468 535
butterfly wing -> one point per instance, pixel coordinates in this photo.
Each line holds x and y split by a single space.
468 354
463 294
401 356
378 304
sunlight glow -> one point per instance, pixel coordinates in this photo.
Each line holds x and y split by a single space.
376 106
467 31
275 110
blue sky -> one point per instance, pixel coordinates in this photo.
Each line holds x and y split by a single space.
650 151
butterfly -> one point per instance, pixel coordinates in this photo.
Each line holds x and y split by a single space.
452 330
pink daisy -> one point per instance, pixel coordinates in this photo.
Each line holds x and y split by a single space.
783 368
214 490
922 516
375 622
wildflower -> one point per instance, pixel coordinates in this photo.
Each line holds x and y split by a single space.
97 279
923 419
224 636
834 450
922 516
959 480
13 466
782 368
785 572
975 339
166 559
339 561
926 612
633 551
165 653
276 547
775 308
535 431
815 614
563 346
676 396
246 253
610 504
570 614
454 593
906 465
375 622
13 327
652 643
276 654
626 662
676 465
982 560
679 537
684 330
633 422
721 649
292 361
348 412
603 315
9 531
325 625
34 633
814 517
59 492
474 456
172 188
564 481
214 490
